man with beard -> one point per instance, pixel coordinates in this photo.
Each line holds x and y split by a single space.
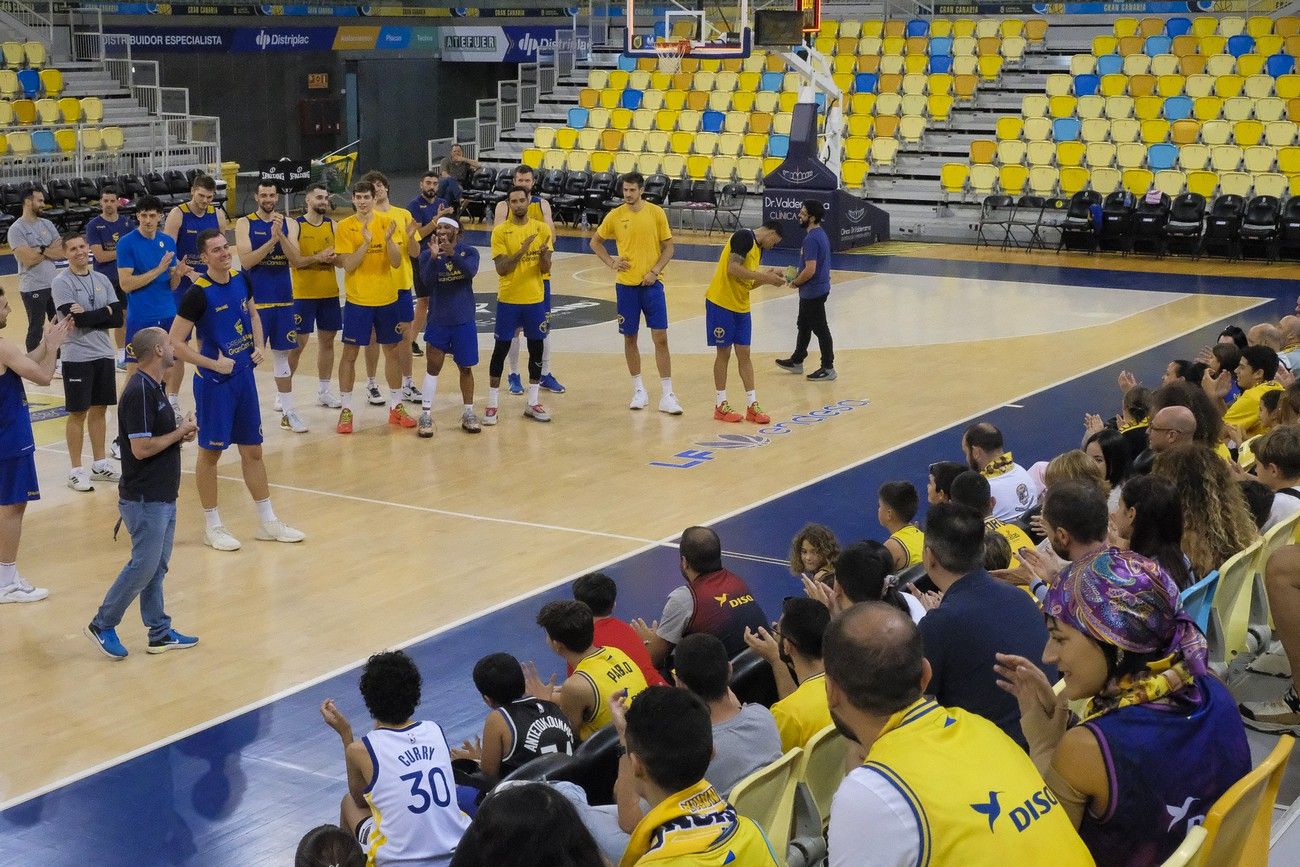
978 618
448 268
814 285
1014 491
939 785
315 287
425 208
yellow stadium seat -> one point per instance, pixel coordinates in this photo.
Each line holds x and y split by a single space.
1204 25
1170 85
766 101
680 142
13 55
1011 152
982 150
66 139
1185 45
47 111
736 122
1288 160
1219 65
625 162
1225 158
1058 84
886 125
657 142
1271 184
1155 131
1013 178
1099 154
1061 106
1036 30
860 125
892 46
1203 183
589 138
610 98
1013 50
1148 107
1259 25
1258 159
633 140
1114 84
6 113
856 147
939 107
51 82
1169 181
1246 133
1070 153
914 84
854 173
610 140
1137 64
1073 179
1008 127
1280 133
576 161
1034 105
698 166
1137 181
1130 155
1151 26
1090 107
1130 45
963 87
1192 64
673 165
781 123
20 143
868 46
648 164
1102 45
1040 152
532 157
1257 86
1083 64
1183 132
1269 109
1235 184
911 129
912 104
889 82
1213 46
1238 108
940 27
620 118
24 113
939 82
1250 66
1043 180
895 28
1231 25
1206 108
990 67
1164 64
1228 86
1104 180
1125 129
588 97
983 180
883 152
1215 132
1037 128
889 103
1237 826
1125 27
952 178
92 139
1199 86
553 160
1287 26
963 64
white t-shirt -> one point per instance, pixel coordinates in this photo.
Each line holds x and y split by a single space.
1284 505
871 824
1013 492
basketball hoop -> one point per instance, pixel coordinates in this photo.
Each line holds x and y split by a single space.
671 54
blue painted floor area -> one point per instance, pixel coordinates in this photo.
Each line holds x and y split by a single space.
244 791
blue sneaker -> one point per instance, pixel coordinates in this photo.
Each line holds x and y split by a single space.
107 641
550 383
516 386
172 641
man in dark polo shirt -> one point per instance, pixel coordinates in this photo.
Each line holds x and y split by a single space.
151 478
979 617
714 600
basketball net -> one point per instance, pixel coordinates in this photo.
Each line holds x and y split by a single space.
671 54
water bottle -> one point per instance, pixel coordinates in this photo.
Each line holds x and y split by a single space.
584 224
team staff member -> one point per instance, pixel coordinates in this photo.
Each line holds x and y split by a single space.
103 231
89 377
151 481
36 245
814 284
225 393
538 209
365 248
403 276
315 288
148 272
425 209
645 247
726 314
184 224
18 448
449 268
521 250
263 254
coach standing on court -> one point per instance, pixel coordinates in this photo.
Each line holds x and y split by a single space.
814 285
151 481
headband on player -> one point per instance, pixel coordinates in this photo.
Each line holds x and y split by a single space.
448 221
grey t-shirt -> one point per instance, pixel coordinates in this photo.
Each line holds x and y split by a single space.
92 292
35 234
741 745
677 613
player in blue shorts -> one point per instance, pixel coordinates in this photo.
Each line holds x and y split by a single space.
263 254
448 268
18 447
219 307
315 288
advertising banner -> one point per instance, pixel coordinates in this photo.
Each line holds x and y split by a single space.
511 44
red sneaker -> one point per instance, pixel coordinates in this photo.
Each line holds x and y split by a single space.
399 416
756 415
345 422
724 412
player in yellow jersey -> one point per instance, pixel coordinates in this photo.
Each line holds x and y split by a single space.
726 314
645 246
403 279
538 209
521 250
366 248
315 287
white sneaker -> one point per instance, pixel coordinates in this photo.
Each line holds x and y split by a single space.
220 539
373 395
292 421
278 531
1273 663
411 394
21 591
328 399
104 473
278 406
79 480
489 416
640 399
668 403
115 451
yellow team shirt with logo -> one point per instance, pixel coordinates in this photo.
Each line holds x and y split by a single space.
802 713
1016 537
319 280
1244 412
696 827
976 794
371 284
729 292
912 540
524 284
403 276
608 670
639 237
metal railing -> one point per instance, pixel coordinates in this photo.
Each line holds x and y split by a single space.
37 24
187 143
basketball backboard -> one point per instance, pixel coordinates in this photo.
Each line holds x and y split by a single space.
716 30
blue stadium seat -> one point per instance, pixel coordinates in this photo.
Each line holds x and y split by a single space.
1158 45
1280 64
578 118
1178 108
711 121
30 81
772 81
43 142
865 82
661 29
631 99
941 45
1086 85
918 27
1240 44
1161 157
627 63
1065 129
940 63
1178 26
1110 64
778 145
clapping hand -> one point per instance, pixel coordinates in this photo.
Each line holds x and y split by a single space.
929 599
823 593
533 684
1092 423
54 333
643 630
1039 565
189 428
1043 713
471 750
1217 386
277 226
335 719
1127 381
764 643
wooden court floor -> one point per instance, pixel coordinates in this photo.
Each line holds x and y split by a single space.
406 535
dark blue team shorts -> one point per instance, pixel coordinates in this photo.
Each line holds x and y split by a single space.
278 327
18 480
633 301
530 317
726 327
308 313
360 319
227 411
460 340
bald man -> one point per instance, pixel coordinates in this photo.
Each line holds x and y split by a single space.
1289 354
1171 426
1265 334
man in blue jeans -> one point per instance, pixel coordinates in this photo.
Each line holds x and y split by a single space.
151 479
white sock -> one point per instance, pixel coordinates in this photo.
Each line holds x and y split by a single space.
430 389
722 397
370 382
513 356
324 386
494 394
394 398
346 399
101 465
751 397
8 574
121 355
637 383
666 384
80 472
469 407
546 356
173 398
533 398
407 382
211 518
264 511
286 400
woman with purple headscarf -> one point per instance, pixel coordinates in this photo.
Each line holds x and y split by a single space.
1160 739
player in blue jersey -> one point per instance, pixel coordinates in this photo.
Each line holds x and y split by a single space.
263 254
103 231
448 267
17 446
425 209
219 308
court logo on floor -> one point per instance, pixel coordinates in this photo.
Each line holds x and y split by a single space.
567 311
707 448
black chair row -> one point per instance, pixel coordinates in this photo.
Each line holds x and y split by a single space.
71 202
